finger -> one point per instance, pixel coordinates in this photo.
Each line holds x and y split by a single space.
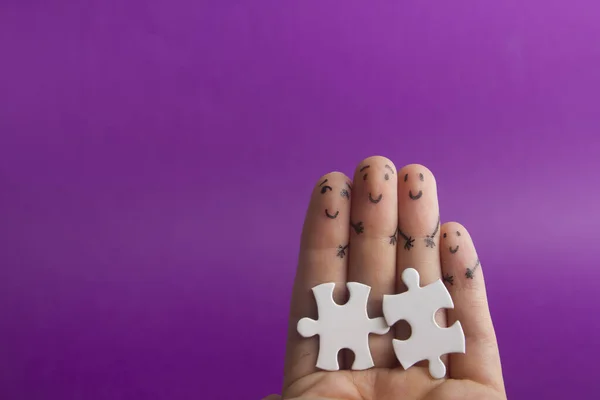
418 234
372 261
323 258
418 225
464 278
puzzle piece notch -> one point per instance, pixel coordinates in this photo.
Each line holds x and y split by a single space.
428 341
343 326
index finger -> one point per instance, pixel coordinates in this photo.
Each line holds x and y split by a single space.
323 254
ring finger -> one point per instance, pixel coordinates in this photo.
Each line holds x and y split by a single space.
418 232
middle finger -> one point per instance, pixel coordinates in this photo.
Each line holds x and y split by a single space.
372 256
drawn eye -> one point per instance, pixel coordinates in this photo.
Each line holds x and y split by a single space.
444 235
325 189
405 177
387 177
365 177
421 177
457 233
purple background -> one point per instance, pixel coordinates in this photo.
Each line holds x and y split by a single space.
156 160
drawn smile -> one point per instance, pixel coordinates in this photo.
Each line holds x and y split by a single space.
377 200
453 250
417 197
334 216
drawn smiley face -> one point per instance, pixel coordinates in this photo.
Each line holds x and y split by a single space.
410 193
386 176
453 250
345 193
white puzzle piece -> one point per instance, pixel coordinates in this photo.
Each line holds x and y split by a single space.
418 307
342 326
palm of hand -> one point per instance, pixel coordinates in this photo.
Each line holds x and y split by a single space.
384 383
369 231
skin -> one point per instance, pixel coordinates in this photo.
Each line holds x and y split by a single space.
324 188
415 194
448 238
372 260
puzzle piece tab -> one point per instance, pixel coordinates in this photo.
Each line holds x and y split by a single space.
343 326
418 307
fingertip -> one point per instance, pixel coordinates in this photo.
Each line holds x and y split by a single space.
457 249
378 161
332 175
333 180
456 228
421 172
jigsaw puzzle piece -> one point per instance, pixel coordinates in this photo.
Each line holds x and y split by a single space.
359 344
342 326
428 341
359 295
431 347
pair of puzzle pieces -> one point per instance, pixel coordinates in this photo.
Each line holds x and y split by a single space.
348 326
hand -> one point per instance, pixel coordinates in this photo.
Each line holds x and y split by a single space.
389 222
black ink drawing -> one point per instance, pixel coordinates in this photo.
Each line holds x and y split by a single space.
408 240
358 227
429 239
332 216
471 271
415 197
366 174
394 238
342 250
346 192
387 176
420 193
449 278
325 188
377 200
450 248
